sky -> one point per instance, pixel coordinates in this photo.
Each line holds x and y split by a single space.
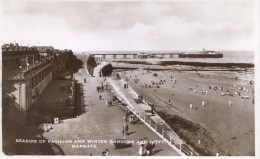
138 25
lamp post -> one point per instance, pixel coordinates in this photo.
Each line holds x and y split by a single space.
27 64
33 60
180 146
20 98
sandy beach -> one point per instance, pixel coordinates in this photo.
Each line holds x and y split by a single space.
226 119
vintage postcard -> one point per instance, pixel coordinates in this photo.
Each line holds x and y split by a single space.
129 78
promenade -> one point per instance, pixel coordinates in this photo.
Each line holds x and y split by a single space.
102 124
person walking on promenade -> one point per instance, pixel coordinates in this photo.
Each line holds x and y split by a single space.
123 132
127 116
152 147
148 149
100 97
203 103
107 103
114 98
106 152
152 109
141 150
126 129
230 103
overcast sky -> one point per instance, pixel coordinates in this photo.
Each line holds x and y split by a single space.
169 25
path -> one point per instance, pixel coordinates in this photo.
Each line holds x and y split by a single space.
102 123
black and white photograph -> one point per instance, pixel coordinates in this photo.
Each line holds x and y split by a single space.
129 78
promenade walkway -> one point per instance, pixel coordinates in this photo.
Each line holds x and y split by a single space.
143 111
102 124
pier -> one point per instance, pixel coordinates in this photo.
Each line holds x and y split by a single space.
127 55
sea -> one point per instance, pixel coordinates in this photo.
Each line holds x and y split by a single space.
228 56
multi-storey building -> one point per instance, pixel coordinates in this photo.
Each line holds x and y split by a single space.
26 73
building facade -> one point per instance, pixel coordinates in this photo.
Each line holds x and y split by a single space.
26 73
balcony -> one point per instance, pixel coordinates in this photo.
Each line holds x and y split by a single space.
20 73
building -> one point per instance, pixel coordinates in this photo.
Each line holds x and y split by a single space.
26 73
142 55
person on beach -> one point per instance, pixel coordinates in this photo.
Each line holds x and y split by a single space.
230 103
203 103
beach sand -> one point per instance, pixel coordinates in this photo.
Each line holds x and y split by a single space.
231 128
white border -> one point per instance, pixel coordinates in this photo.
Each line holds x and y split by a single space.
257 89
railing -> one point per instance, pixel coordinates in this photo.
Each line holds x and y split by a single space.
19 107
31 70
160 130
